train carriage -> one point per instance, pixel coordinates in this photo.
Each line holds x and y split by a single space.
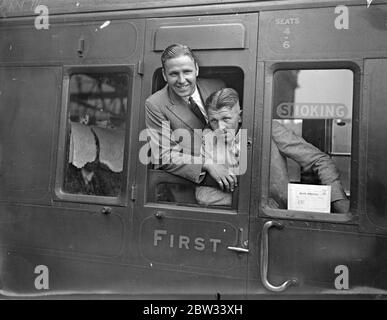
81 213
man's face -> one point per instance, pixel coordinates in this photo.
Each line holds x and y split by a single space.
225 118
180 73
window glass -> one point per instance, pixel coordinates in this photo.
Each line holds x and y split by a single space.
311 138
165 187
98 105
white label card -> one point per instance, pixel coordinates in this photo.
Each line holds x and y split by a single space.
309 197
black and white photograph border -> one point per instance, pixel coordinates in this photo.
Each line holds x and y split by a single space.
193 149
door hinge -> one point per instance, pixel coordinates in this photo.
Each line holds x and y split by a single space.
133 195
140 67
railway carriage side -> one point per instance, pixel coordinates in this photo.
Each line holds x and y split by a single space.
76 197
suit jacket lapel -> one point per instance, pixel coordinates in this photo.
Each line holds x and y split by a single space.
181 110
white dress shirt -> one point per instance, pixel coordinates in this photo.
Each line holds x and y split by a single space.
198 100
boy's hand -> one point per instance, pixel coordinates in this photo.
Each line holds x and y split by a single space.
222 175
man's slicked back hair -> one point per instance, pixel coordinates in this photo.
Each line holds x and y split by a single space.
177 50
226 97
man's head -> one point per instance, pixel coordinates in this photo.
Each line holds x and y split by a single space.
223 109
180 69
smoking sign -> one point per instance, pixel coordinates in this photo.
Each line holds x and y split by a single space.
290 110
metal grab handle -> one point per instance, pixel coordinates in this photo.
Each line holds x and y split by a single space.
265 259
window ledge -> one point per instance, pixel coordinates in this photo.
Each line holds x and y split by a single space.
305 215
60 195
194 208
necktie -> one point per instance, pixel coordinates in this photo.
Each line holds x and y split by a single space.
195 109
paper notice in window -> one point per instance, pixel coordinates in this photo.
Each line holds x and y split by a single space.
308 197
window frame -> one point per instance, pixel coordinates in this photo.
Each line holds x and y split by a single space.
351 217
59 193
370 94
239 209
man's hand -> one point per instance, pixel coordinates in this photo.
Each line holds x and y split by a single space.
222 175
340 206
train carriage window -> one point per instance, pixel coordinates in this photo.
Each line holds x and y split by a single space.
164 187
311 139
96 125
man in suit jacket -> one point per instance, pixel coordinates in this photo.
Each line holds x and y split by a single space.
180 106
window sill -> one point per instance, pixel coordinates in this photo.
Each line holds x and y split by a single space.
190 209
310 216
60 195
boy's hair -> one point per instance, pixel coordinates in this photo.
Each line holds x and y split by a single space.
177 50
226 97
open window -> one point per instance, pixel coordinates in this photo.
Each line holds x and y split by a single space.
96 123
164 187
311 138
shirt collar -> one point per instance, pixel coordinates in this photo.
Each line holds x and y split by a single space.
196 96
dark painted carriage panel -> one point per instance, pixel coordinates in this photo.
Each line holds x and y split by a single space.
202 36
73 43
54 231
312 34
27 7
28 106
375 99
189 242
311 253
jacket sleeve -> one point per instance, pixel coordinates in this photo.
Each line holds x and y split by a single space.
308 157
167 154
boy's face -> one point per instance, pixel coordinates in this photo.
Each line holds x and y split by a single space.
225 118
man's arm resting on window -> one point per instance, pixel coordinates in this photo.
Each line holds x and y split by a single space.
310 157
166 153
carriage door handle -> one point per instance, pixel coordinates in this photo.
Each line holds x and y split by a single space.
240 247
265 259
